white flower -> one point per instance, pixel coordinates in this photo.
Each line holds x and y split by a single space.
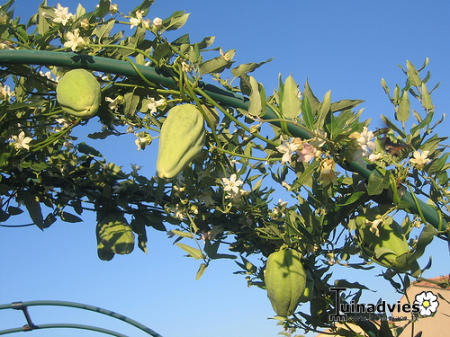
374 225
420 159
84 23
185 67
287 148
146 23
307 153
135 21
74 40
178 212
428 303
62 15
21 142
5 92
153 105
113 8
142 140
232 186
157 23
114 103
4 46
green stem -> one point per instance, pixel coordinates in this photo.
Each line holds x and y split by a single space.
226 97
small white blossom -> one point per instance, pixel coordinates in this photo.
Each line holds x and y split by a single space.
232 186
113 104
157 23
374 225
185 67
4 46
84 23
135 21
420 159
74 40
153 104
287 148
307 153
178 212
5 92
113 8
21 141
142 140
62 15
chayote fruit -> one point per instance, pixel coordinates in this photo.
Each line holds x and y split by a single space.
387 247
114 236
78 92
285 280
181 139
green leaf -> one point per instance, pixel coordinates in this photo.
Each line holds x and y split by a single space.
345 104
206 42
324 110
183 39
193 252
87 149
403 111
14 210
182 234
290 102
413 75
244 85
438 164
347 284
104 29
67 217
131 102
175 21
353 198
308 117
313 101
255 107
247 68
426 98
376 184
200 271
34 209
217 64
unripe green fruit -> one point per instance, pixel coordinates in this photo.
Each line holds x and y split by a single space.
181 139
285 281
391 243
115 236
78 92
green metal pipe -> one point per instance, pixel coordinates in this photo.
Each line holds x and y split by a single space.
74 60
64 326
21 305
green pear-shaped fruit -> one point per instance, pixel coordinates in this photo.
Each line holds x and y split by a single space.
285 280
78 92
181 139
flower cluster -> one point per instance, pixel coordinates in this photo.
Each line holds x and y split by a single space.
62 15
304 150
74 41
142 140
366 146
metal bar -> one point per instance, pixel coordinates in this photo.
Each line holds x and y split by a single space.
64 326
74 60
84 307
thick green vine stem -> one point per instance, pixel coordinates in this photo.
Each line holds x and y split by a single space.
228 98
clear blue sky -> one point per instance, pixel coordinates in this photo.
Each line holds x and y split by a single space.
346 46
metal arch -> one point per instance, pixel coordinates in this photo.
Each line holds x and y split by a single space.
23 306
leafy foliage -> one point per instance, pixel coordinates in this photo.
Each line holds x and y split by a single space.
224 197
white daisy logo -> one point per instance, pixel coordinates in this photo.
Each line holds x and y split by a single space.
428 303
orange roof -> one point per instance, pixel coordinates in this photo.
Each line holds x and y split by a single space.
444 280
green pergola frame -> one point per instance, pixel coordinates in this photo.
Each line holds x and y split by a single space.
107 65
23 306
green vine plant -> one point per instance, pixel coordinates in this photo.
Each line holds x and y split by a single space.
221 197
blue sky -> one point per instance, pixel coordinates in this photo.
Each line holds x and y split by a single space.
344 46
